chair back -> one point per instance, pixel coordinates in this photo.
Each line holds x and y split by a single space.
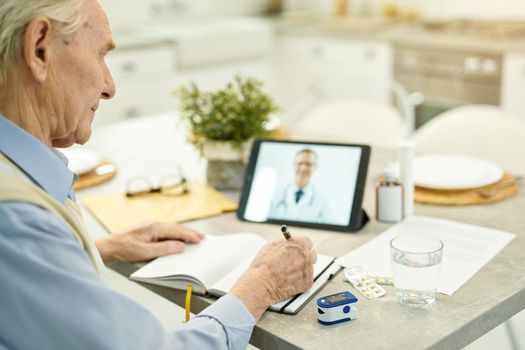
478 130
351 121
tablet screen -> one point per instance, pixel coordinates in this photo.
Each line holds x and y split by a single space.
299 182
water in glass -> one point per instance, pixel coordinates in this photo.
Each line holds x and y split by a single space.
416 263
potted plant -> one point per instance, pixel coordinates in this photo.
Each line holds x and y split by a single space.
223 124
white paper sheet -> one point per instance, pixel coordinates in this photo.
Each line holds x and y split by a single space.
466 249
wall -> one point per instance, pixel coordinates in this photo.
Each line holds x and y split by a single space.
121 13
438 9
471 9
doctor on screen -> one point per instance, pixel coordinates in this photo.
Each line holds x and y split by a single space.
300 200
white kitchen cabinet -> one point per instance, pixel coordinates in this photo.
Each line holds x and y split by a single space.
215 76
357 68
145 80
152 60
137 100
513 84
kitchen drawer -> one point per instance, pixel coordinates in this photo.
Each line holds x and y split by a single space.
354 57
137 100
141 62
202 43
349 68
357 57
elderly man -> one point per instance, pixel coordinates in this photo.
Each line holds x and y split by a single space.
52 295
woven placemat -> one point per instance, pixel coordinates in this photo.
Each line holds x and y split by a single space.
104 172
467 197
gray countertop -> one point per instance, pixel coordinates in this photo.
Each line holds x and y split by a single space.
412 34
407 33
493 295
490 297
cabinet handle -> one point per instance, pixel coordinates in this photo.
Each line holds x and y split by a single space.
471 65
129 67
370 54
317 51
489 67
131 112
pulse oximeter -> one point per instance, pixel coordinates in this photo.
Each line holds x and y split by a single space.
336 308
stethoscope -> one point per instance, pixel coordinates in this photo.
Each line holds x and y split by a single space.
283 203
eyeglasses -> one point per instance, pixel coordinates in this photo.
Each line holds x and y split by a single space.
169 185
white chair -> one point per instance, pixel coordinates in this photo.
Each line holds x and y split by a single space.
477 130
485 132
325 115
351 121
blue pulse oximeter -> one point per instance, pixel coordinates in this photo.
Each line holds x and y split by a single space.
336 308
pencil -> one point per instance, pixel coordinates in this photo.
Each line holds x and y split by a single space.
285 232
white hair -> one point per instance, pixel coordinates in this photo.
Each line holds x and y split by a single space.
15 16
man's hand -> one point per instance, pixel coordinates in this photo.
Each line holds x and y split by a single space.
146 242
280 270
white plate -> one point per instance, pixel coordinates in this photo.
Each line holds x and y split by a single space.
454 172
81 161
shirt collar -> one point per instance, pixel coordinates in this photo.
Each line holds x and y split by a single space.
44 165
305 189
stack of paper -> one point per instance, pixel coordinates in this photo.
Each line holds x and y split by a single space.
466 248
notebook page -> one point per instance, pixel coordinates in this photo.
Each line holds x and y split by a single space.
209 261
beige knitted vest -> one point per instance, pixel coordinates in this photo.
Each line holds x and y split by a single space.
16 186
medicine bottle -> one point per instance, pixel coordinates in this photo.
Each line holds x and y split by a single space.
389 198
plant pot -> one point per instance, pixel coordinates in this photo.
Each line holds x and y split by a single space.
226 164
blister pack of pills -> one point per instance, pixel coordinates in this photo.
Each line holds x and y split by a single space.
382 280
366 284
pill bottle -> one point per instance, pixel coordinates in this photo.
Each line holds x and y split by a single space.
389 198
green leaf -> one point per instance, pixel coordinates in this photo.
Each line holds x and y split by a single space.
236 113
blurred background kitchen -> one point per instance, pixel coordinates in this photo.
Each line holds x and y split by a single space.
445 53
449 52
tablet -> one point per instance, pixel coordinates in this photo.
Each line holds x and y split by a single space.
308 184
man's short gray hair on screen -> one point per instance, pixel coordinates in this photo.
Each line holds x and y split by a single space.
307 150
15 15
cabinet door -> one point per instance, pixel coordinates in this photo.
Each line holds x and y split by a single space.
359 68
136 100
296 67
145 80
136 63
513 84
356 68
215 76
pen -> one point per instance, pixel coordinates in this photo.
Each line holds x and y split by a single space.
285 232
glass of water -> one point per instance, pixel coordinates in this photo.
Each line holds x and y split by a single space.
416 263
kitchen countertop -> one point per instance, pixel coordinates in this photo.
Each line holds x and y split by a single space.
491 38
486 300
416 33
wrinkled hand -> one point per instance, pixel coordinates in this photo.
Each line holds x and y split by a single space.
280 270
146 241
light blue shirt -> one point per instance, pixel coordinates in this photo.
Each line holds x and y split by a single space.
51 297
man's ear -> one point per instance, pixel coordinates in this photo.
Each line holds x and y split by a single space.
37 47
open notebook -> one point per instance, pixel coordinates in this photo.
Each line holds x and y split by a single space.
214 265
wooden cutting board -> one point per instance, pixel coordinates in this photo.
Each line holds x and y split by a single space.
467 197
104 172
